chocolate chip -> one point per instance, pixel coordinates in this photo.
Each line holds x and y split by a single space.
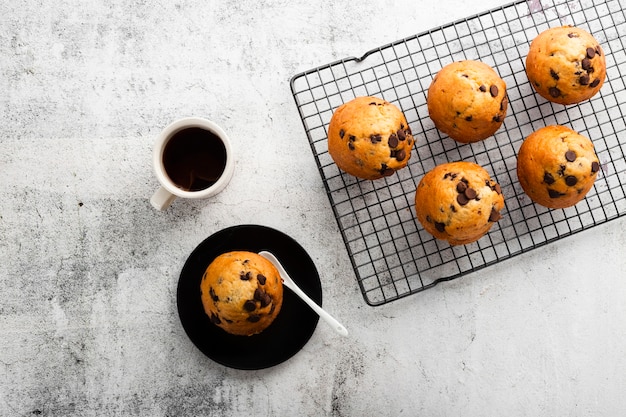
351 138
351 146
470 193
253 318
259 294
595 83
493 90
400 155
586 64
401 134
376 138
554 193
482 88
548 178
215 319
342 133
561 170
572 35
462 199
591 53
408 130
266 300
494 186
393 141
214 297
553 74
373 103
495 215
504 103
555 92
468 118
570 156
385 170
497 118
249 305
595 167
584 80
461 187
441 227
571 180
243 276
261 278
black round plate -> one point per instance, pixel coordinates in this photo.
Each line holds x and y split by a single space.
291 329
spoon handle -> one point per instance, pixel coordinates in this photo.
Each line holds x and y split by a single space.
289 283
339 328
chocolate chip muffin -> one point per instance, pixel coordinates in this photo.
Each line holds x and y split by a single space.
369 138
566 65
241 292
458 202
556 166
467 101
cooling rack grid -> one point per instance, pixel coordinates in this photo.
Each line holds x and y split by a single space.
390 252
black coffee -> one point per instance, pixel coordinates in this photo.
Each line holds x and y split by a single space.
194 159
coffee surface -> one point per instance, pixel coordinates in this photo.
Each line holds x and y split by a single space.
194 159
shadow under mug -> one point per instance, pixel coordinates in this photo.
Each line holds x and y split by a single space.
191 149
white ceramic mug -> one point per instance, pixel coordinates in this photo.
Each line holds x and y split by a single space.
169 190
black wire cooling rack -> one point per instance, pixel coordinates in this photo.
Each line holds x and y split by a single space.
392 255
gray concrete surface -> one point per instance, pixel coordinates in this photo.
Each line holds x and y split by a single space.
88 269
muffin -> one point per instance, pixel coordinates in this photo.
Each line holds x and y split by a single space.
556 166
566 65
467 101
369 138
241 292
458 202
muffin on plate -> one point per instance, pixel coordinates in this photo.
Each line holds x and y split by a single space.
241 292
557 166
369 138
458 202
467 101
566 65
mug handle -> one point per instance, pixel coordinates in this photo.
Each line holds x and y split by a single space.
162 199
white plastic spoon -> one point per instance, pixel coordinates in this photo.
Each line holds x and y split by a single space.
339 328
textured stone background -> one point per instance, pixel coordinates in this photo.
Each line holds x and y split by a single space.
88 270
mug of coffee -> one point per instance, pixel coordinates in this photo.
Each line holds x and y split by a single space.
192 159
